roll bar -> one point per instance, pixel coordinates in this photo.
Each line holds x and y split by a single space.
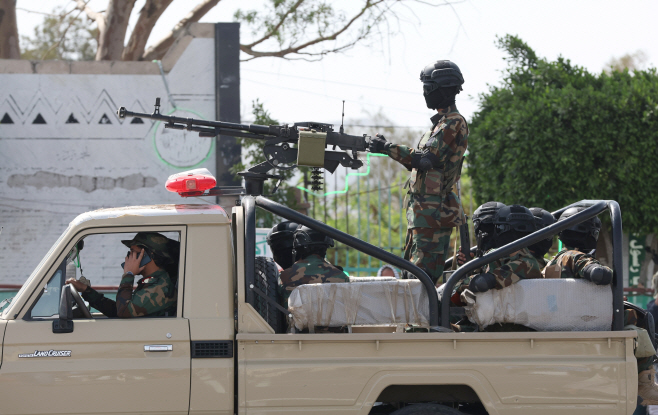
249 202
593 208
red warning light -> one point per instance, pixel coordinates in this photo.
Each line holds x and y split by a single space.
191 183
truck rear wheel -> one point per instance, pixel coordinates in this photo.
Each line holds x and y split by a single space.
267 280
427 409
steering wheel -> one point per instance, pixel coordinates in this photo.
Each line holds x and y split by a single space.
78 300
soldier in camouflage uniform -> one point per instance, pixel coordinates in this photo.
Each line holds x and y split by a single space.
155 294
510 223
435 164
543 218
574 262
311 267
280 238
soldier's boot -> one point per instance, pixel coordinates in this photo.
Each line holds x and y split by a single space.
647 389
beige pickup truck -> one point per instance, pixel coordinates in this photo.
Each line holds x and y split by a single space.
230 349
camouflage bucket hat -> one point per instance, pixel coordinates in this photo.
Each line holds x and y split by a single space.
158 244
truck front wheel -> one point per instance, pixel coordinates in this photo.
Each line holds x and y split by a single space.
427 409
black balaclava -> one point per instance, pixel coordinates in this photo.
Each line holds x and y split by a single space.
441 98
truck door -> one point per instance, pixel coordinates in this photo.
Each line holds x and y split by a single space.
106 365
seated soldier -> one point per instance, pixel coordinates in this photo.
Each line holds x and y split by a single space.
483 228
279 238
311 267
576 260
156 258
509 224
543 219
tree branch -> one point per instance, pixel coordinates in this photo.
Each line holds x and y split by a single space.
158 50
98 17
296 49
9 48
61 39
148 17
277 26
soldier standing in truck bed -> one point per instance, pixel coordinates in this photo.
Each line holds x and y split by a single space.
435 164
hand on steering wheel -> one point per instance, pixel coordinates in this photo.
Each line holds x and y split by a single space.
77 298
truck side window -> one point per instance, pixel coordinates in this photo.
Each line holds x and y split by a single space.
48 303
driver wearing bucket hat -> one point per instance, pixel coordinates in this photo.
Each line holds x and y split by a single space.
150 255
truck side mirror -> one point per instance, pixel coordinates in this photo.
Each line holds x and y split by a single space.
64 324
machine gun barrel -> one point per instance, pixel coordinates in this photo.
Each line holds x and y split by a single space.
309 144
206 127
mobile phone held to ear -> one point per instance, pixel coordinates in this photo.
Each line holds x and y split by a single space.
145 260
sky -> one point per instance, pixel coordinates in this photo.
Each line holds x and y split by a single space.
381 76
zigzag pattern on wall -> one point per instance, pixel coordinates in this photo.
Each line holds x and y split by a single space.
42 110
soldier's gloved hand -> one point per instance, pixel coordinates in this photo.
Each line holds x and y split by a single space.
378 144
598 274
482 283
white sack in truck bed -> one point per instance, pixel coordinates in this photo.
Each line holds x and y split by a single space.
359 303
545 305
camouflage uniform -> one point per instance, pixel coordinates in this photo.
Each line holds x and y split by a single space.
568 264
520 265
541 261
433 208
155 294
152 297
310 270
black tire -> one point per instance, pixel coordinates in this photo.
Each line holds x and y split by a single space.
267 280
427 409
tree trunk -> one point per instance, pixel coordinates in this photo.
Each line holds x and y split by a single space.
148 16
110 40
9 48
158 50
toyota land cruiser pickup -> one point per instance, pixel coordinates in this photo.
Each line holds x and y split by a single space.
232 349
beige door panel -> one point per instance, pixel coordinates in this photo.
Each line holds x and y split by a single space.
108 370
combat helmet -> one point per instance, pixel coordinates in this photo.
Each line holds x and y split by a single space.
483 225
512 223
307 241
583 235
280 239
543 218
441 74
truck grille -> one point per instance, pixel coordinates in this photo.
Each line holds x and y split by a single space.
214 348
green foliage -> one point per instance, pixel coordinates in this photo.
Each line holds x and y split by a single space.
554 133
61 36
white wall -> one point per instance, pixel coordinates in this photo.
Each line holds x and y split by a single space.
50 173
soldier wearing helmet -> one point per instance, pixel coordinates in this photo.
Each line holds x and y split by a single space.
435 165
155 257
510 223
543 218
575 261
309 250
280 239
